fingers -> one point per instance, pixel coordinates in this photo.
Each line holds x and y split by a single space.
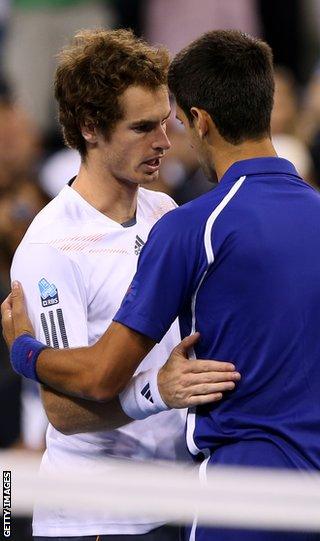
7 323
184 382
206 394
200 378
200 365
204 399
186 390
6 307
187 343
17 299
21 321
211 388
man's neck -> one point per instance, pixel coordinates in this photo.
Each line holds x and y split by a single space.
229 154
116 199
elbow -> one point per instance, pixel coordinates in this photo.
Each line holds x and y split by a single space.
102 380
100 392
101 386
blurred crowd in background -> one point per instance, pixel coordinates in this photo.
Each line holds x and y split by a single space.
34 164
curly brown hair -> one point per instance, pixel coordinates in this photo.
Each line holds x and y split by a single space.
94 71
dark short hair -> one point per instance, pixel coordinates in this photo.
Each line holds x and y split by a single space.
92 74
229 74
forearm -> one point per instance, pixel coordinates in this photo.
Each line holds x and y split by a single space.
70 371
99 372
74 415
102 371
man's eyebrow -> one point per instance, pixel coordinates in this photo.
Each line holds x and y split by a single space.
149 120
166 117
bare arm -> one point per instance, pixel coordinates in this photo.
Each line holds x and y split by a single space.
74 415
100 372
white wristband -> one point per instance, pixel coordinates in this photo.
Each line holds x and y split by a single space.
141 397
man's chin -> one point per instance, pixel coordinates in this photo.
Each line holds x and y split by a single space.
149 177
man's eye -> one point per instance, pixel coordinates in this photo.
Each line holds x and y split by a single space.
142 128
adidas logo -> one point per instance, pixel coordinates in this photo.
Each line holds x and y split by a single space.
138 245
147 393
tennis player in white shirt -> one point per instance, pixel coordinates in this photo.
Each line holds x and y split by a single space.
79 256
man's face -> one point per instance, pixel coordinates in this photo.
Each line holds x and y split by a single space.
200 147
134 150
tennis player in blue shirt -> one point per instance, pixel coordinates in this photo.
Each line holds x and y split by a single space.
240 265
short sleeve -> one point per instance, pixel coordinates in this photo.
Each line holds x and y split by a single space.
55 294
166 276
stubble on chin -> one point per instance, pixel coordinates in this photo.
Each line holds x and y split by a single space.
149 179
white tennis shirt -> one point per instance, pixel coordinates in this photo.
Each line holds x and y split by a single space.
75 265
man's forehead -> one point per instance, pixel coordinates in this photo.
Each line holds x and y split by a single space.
139 102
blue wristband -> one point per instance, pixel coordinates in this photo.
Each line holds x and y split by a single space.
24 354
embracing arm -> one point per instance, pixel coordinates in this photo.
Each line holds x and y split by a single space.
182 382
61 321
99 372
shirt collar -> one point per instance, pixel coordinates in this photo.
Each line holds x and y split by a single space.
259 166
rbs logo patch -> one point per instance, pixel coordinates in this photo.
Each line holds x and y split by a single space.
48 292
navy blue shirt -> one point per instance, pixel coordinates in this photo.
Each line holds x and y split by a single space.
241 265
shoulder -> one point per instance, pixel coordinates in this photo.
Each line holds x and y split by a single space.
154 204
53 222
156 198
51 219
191 218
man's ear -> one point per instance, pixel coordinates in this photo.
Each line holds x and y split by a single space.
200 121
89 132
